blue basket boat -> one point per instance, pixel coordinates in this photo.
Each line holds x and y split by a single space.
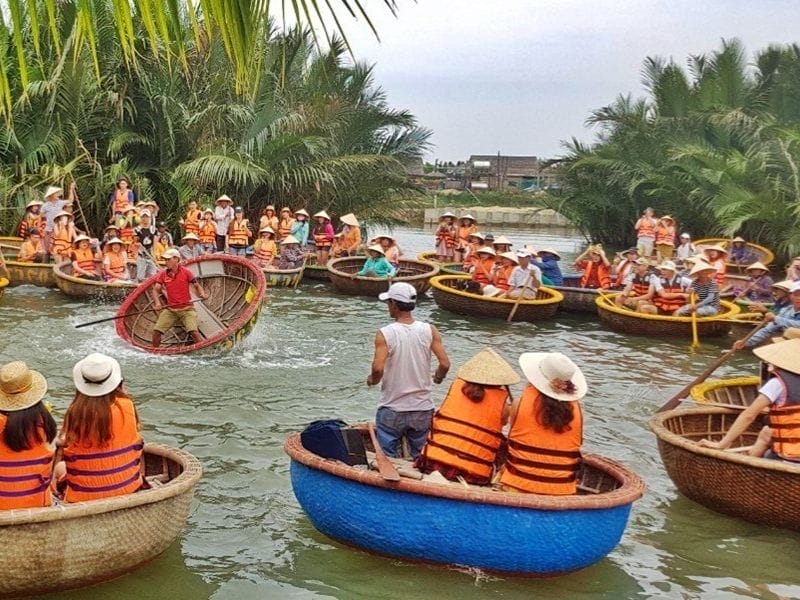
477 527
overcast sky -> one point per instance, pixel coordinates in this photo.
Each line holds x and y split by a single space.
519 76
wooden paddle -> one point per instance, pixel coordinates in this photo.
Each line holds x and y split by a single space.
695 336
130 314
519 298
678 398
385 467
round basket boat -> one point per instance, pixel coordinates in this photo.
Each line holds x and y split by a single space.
475 527
763 255
733 392
760 490
86 288
235 288
315 272
75 545
743 323
283 277
576 298
450 298
449 268
417 273
10 243
625 320
25 273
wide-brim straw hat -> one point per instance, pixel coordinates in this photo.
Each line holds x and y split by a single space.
34 203
739 238
785 285
206 211
267 229
290 239
377 248
550 251
792 333
549 371
81 238
269 207
349 219
487 367
112 226
96 375
668 265
784 355
486 250
700 267
64 213
468 216
629 251
502 240
667 218
697 258
384 236
114 240
304 212
756 265
20 386
716 247
319 214
53 190
286 209
190 236
447 214
510 256
491 291
224 198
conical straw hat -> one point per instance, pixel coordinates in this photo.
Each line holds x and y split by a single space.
502 240
378 249
756 265
290 239
487 367
349 219
322 214
784 355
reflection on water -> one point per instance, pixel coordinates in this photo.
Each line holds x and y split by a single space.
307 359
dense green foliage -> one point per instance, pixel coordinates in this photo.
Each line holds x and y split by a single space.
717 147
312 131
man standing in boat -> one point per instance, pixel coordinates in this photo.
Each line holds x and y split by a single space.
174 282
402 364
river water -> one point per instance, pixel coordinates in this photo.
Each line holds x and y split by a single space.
307 359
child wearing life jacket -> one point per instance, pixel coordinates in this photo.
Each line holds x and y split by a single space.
265 249
84 259
27 434
115 261
466 431
32 219
446 237
100 435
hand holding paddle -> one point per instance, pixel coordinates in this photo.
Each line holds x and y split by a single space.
695 337
677 398
130 314
385 467
519 298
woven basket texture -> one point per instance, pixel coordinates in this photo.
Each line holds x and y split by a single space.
415 272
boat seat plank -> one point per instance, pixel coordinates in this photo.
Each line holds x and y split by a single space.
208 323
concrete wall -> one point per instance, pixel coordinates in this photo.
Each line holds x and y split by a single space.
498 215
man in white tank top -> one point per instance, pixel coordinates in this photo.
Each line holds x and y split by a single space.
402 364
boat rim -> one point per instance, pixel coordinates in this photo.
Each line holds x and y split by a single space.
605 302
434 270
59 274
554 295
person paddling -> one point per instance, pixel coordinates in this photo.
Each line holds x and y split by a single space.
175 282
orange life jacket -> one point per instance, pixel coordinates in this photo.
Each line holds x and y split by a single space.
25 475
641 285
647 228
483 270
30 222
191 222
27 251
239 233
111 470
85 260
670 286
602 274
321 239
466 434
502 276
449 236
117 264
665 235
127 234
62 240
784 419
464 232
285 228
351 238
541 461
121 200
265 250
208 232
722 267
623 269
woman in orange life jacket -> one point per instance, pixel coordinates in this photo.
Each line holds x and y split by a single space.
646 233
483 268
208 232
716 257
625 265
323 236
85 259
110 232
665 238
27 434
268 218
32 219
466 431
467 225
64 233
350 235
115 261
191 220
669 289
32 248
285 223
446 238
100 435
638 288
501 244
239 233
781 395
595 267
474 241
503 269
264 249
546 434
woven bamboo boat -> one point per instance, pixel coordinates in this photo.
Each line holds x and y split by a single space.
283 277
10 243
315 272
449 268
450 298
760 490
743 323
764 255
415 272
86 288
235 287
25 273
733 392
75 545
474 527
625 320
576 298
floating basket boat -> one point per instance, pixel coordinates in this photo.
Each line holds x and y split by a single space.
576 298
415 272
760 490
763 255
733 392
447 295
283 277
74 545
77 287
314 271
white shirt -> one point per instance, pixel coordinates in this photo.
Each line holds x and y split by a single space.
519 276
407 381
223 217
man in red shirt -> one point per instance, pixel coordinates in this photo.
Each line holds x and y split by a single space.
174 282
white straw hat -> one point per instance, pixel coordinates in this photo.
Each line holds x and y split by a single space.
349 219
502 240
20 387
715 247
190 236
96 375
468 216
477 234
290 239
377 248
81 238
487 367
699 267
114 240
784 355
224 198
446 214
302 211
553 374
321 213
756 265
669 266
550 251
785 285
53 190
34 203
267 229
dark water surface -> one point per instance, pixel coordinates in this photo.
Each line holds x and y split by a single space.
307 359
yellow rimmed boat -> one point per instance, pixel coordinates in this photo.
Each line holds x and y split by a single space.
731 392
3 286
625 320
763 255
